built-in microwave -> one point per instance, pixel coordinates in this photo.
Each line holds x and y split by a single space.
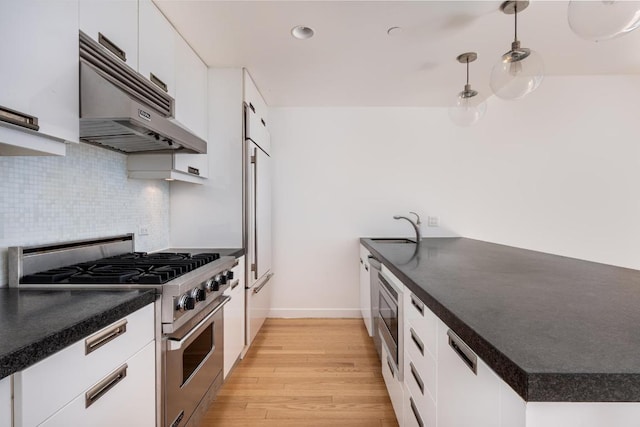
389 319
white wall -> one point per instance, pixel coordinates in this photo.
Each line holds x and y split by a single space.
82 195
556 172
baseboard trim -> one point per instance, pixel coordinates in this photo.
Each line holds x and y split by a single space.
296 313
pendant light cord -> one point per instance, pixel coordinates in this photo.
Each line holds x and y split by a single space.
515 17
467 70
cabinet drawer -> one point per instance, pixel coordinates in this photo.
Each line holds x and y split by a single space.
394 386
423 321
129 402
418 414
45 387
420 374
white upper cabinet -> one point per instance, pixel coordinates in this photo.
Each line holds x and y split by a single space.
113 24
39 75
157 38
191 89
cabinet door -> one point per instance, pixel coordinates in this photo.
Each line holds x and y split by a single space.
263 212
40 63
234 319
191 89
465 398
5 402
157 38
365 290
127 400
393 383
114 24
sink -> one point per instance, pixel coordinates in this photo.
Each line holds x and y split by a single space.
392 240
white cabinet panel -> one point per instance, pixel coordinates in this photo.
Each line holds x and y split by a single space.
365 290
117 21
587 414
465 398
258 299
234 317
393 383
43 388
191 89
156 46
40 70
257 128
130 402
262 170
5 402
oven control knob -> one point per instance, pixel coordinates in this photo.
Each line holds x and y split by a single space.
198 294
186 302
223 278
229 275
213 285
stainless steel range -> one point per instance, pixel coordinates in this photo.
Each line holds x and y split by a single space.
189 329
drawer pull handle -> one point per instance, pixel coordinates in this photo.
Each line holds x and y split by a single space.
235 283
463 350
418 305
105 385
252 107
112 47
415 412
366 267
193 171
155 80
361 261
390 367
416 377
19 119
96 341
417 341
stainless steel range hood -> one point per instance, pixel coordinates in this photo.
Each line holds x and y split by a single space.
121 110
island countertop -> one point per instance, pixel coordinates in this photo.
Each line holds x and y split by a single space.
35 324
553 328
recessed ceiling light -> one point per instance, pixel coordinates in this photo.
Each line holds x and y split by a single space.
301 32
394 31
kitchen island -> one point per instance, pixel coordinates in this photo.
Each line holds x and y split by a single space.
36 324
553 328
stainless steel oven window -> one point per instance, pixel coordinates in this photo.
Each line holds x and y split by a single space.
388 308
196 353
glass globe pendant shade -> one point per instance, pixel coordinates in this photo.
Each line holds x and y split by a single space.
468 108
599 20
519 72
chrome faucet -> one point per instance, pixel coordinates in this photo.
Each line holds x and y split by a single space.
415 224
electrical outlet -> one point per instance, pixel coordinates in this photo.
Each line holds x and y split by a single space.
432 221
143 230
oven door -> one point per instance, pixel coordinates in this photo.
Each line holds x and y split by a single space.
193 360
388 316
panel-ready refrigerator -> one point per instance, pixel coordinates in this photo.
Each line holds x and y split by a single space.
257 222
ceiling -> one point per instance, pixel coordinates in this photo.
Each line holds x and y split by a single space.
352 61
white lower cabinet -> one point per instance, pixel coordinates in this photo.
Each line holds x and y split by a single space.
6 406
124 397
393 383
114 368
234 318
365 290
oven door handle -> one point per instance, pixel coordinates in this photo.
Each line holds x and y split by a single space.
178 344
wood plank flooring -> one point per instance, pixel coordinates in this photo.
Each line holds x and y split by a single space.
306 372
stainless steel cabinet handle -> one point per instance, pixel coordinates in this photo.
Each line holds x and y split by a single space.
19 119
416 377
104 386
255 209
390 366
235 283
361 261
96 341
112 47
415 412
177 344
259 288
155 80
366 267
417 304
417 341
466 354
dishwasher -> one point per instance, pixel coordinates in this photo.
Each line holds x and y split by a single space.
374 270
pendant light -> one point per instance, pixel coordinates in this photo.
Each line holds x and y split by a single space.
468 108
520 71
603 19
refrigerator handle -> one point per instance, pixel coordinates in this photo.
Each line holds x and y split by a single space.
255 213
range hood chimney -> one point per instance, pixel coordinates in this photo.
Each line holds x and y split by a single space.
123 111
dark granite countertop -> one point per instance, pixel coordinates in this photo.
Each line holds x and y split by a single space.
36 324
554 328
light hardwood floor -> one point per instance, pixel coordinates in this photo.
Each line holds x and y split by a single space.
306 373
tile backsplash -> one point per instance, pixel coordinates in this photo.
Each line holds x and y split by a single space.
84 194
